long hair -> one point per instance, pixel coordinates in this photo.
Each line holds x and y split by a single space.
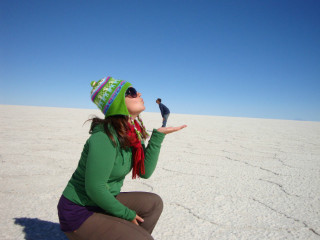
120 123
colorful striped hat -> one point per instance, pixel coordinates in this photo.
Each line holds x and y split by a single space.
109 95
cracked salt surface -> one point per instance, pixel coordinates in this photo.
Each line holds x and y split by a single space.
220 178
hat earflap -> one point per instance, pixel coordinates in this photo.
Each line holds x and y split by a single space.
143 128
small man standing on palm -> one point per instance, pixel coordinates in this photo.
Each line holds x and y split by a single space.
165 112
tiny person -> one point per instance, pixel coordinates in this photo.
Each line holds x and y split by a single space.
165 112
92 205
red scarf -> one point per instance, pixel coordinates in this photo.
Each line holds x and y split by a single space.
137 150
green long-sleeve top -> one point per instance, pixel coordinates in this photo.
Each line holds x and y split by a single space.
102 169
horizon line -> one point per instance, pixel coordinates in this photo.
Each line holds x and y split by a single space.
210 115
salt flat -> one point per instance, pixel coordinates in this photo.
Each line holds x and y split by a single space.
220 178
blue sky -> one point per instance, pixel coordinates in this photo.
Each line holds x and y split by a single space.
225 58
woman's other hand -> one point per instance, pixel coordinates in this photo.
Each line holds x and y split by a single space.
136 219
167 130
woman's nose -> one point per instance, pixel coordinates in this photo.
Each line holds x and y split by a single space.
139 94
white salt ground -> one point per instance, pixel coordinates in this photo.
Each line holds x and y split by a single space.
220 178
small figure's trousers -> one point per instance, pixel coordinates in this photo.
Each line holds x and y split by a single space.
165 119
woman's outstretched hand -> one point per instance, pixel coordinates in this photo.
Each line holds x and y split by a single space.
167 130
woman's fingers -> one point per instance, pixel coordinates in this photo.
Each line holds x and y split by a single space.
136 219
140 219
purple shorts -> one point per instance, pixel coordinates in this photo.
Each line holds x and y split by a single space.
72 215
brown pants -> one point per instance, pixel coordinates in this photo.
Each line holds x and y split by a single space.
105 227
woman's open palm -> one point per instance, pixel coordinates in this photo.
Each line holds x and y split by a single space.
167 130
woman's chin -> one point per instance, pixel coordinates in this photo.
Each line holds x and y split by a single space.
136 113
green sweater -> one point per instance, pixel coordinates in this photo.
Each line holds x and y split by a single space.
102 169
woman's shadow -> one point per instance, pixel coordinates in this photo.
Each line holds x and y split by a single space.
36 229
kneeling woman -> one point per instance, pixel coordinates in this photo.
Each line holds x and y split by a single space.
92 206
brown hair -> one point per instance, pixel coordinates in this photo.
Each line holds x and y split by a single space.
121 126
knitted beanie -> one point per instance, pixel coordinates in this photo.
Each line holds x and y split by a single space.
109 95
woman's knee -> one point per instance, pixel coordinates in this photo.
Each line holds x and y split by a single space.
141 202
157 202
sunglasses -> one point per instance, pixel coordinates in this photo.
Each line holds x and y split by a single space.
132 92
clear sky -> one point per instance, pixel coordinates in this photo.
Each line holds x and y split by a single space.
225 58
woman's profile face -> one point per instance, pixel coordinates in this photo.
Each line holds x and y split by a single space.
135 105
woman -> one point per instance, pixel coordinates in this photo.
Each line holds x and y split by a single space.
92 206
